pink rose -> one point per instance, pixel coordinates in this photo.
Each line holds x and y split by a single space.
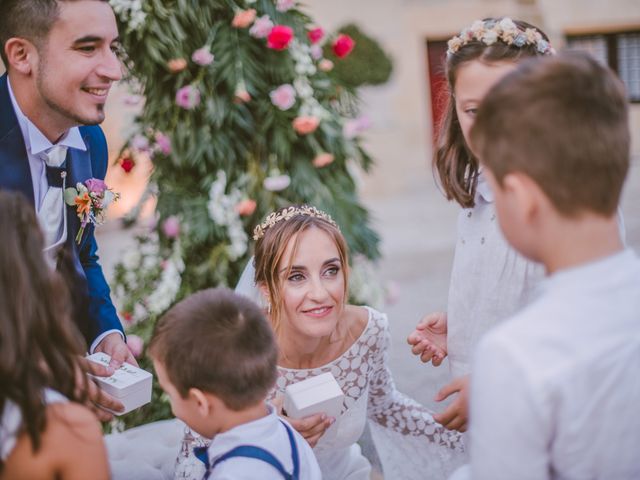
140 143
95 185
356 126
325 65
135 344
202 56
171 227
127 163
343 45
283 97
243 18
280 37
188 97
284 5
306 124
176 65
322 160
163 143
246 207
242 96
261 27
315 34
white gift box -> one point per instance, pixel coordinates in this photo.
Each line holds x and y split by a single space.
130 385
319 394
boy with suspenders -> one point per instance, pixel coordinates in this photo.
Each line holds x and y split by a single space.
215 356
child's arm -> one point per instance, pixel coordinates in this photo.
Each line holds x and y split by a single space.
429 339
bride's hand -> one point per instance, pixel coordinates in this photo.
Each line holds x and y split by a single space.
429 339
311 427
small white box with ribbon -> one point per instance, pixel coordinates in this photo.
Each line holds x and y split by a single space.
130 385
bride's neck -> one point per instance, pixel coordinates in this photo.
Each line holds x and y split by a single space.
303 352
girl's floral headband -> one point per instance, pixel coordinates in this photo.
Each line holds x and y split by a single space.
505 30
288 213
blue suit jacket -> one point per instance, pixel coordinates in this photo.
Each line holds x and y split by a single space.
93 310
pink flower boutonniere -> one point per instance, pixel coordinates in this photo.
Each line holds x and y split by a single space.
91 200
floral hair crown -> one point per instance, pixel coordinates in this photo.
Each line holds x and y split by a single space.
288 213
505 30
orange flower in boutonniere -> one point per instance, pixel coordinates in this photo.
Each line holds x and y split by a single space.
91 200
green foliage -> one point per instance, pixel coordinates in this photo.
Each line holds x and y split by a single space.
223 149
367 64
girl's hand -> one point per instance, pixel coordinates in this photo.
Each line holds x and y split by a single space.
429 339
311 427
456 415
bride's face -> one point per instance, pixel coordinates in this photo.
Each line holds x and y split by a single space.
312 284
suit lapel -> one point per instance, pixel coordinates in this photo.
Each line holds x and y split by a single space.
15 173
79 171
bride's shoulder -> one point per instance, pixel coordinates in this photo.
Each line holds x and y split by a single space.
362 318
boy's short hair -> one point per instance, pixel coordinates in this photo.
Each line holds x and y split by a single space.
562 121
219 342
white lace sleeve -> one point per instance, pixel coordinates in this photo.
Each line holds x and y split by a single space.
411 444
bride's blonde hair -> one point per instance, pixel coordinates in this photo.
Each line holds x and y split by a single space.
273 242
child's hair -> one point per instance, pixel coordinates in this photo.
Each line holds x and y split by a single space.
218 342
273 237
489 40
39 345
563 121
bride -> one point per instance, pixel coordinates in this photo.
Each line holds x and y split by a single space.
301 270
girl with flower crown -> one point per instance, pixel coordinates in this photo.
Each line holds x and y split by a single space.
302 270
489 280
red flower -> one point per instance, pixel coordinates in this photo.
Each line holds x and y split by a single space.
343 45
315 35
280 37
127 164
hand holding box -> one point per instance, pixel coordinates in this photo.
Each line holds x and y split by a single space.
130 385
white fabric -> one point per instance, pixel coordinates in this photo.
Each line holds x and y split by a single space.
52 213
556 388
36 143
267 433
147 452
11 422
489 281
247 286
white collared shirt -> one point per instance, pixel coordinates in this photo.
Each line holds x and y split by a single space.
267 433
556 388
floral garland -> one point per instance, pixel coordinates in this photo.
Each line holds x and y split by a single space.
505 31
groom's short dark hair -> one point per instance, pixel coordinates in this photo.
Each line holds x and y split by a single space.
219 342
30 19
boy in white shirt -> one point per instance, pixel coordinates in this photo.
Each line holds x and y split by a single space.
553 137
215 357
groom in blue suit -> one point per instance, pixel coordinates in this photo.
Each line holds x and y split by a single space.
61 62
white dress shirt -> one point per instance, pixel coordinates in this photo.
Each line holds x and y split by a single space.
556 389
267 433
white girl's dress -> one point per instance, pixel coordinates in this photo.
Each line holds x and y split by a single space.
11 422
490 281
409 442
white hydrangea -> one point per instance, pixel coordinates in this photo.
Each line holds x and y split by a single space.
222 210
130 12
170 280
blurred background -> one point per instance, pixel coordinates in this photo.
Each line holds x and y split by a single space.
416 224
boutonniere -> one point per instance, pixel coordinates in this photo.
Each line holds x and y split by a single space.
91 200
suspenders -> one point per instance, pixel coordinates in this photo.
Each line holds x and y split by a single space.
251 451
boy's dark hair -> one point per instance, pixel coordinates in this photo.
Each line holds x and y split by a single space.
219 342
30 19
562 121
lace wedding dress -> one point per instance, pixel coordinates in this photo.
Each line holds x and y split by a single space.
409 442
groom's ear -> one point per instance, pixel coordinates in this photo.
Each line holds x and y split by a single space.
21 54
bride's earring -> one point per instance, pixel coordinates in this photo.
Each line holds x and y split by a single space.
268 308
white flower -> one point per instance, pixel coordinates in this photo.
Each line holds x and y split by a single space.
490 37
276 183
